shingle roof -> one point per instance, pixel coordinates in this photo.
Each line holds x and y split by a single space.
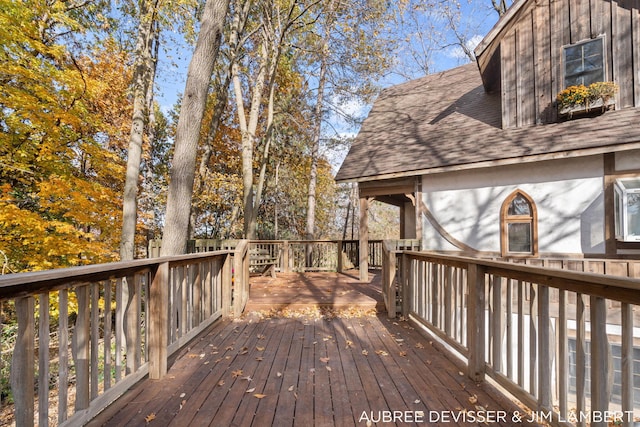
447 120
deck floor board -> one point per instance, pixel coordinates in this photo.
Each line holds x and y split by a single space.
306 370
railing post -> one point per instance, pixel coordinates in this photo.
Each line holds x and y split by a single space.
158 321
391 289
476 321
22 363
340 266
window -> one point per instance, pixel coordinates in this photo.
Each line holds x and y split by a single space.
584 63
627 209
519 225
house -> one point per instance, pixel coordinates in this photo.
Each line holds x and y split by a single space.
479 158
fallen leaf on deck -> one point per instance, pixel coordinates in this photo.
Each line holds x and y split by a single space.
329 368
150 417
349 343
259 359
290 388
381 353
220 383
279 374
365 352
473 399
403 354
237 373
251 390
324 359
419 345
260 348
259 396
182 395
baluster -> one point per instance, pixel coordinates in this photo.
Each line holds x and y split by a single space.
627 362
23 363
520 337
544 350
95 338
81 345
63 354
562 359
108 318
496 331
43 361
580 356
600 357
509 327
533 336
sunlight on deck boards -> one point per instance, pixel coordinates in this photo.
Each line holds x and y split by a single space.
296 291
325 371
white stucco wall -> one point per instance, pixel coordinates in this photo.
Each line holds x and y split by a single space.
568 194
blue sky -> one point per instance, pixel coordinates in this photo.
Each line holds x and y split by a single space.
477 18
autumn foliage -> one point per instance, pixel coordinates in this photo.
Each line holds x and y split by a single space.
60 169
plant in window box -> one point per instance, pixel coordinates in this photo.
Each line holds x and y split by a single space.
581 98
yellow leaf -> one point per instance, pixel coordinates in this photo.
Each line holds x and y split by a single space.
259 396
150 417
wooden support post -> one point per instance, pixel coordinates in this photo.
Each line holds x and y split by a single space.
340 266
364 240
22 363
158 321
476 323
285 257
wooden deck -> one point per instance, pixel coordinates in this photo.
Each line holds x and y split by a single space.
278 368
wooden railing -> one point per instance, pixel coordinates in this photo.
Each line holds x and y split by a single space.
565 343
115 324
302 255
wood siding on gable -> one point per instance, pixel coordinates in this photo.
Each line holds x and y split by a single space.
531 52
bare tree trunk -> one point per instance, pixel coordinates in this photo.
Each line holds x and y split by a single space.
142 75
174 239
315 148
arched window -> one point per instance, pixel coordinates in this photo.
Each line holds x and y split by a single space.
519 225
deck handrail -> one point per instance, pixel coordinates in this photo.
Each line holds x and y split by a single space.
531 329
131 316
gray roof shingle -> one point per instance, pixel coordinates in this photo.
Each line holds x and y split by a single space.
447 120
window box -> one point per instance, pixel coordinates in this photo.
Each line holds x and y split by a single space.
581 99
597 106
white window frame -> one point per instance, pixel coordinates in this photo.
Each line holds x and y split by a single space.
623 188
